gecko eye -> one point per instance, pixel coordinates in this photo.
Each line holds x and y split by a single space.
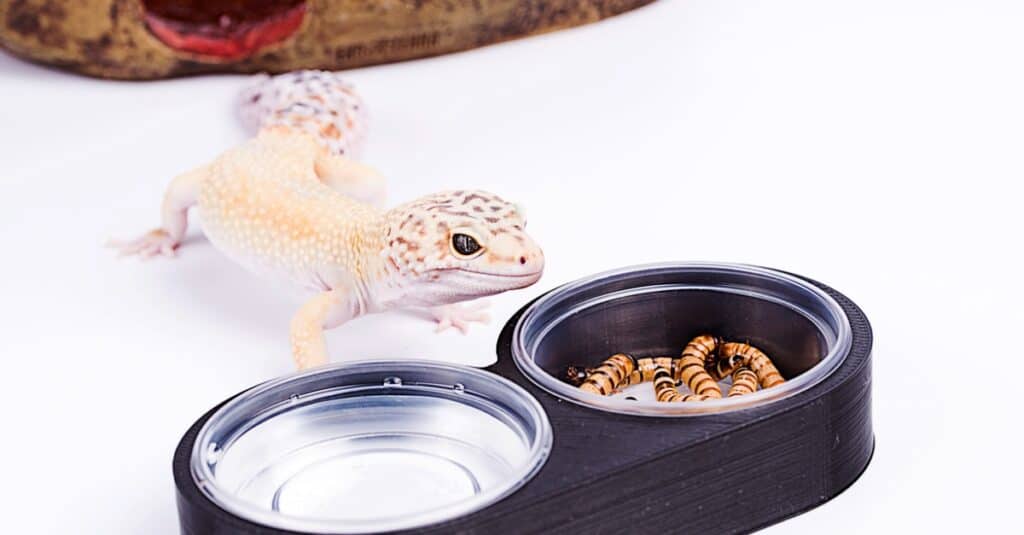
464 244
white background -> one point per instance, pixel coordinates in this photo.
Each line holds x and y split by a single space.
875 145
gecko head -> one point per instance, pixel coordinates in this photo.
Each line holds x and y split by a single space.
459 245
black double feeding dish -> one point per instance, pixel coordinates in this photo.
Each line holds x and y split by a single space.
403 446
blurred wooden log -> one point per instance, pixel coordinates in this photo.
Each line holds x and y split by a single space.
145 39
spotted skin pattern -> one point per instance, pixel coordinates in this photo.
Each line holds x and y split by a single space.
287 204
319 103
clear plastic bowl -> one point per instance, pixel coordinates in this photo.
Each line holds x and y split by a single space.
370 446
655 310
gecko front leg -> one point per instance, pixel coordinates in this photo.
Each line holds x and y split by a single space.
460 316
351 178
325 311
180 196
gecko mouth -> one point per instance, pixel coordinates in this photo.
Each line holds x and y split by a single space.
532 274
227 29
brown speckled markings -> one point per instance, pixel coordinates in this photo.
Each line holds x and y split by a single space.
420 232
109 38
319 103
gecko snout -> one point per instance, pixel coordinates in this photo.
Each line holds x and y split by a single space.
531 262
516 255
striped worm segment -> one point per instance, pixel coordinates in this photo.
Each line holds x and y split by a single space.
639 371
607 377
744 381
646 367
665 386
703 347
767 374
691 367
724 366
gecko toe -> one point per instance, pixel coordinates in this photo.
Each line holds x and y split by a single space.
153 243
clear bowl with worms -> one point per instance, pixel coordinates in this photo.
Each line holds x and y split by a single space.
654 310
370 446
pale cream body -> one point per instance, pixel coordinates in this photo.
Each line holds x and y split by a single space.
263 205
291 205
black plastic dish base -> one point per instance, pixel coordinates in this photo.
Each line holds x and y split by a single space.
610 473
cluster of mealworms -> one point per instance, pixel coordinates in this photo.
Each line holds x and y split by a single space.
703 362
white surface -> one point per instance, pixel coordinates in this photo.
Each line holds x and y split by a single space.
874 145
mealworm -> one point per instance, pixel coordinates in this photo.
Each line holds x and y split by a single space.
767 374
576 375
645 368
723 367
744 381
691 369
704 347
606 378
642 370
665 388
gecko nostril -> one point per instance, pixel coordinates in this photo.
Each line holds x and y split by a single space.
522 260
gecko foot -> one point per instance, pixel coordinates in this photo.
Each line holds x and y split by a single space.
153 243
460 316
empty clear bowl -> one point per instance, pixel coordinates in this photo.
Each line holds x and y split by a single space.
370 446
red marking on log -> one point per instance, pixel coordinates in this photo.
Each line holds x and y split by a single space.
227 29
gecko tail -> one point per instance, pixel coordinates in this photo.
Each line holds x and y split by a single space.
319 103
252 106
